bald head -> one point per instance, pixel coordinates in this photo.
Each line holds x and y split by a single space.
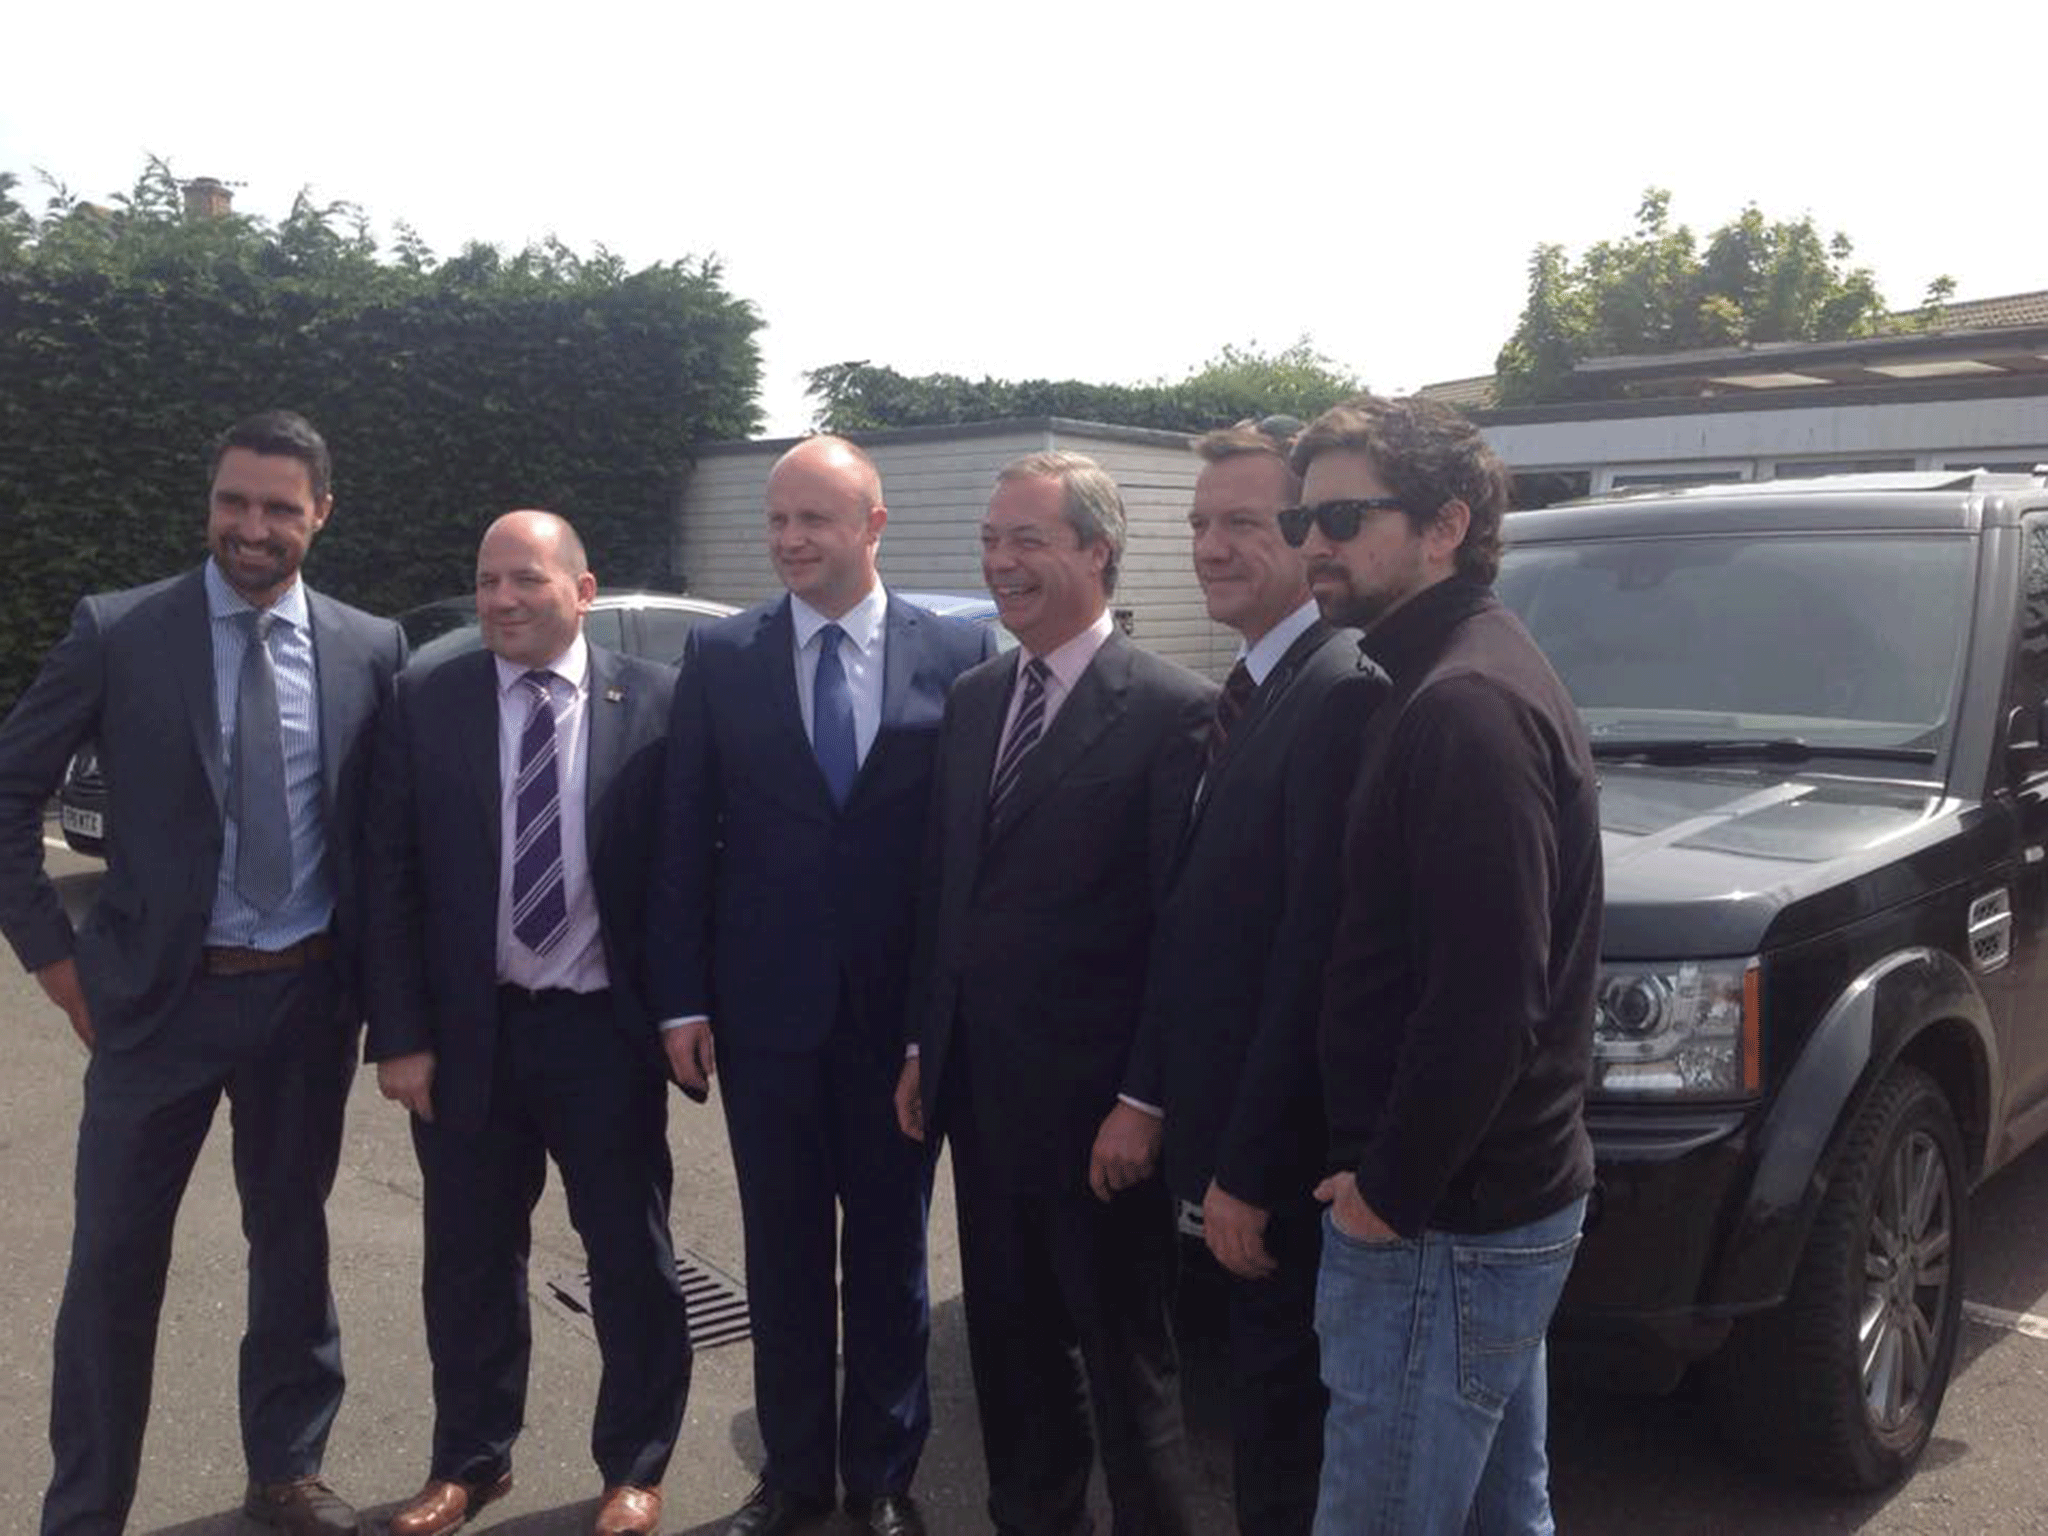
533 586
547 532
834 457
825 518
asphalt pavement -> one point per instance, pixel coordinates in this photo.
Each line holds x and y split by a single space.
1620 1465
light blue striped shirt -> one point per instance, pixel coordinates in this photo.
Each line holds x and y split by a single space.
310 906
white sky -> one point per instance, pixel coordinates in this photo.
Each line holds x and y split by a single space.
1107 191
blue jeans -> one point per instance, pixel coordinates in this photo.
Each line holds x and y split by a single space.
1433 1354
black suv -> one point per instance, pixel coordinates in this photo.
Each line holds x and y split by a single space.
1820 711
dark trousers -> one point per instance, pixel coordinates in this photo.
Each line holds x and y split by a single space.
567 1084
1068 1306
276 1045
1277 1398
816 1147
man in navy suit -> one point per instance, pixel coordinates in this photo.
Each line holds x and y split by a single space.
508 864
799 771
233 710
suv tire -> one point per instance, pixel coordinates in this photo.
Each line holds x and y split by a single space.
1840 1385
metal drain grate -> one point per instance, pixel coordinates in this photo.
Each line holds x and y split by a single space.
717 1302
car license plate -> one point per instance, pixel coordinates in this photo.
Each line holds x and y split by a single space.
84 823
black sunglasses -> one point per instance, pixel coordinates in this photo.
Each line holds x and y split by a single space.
1339 520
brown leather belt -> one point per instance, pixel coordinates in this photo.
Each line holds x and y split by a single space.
233 960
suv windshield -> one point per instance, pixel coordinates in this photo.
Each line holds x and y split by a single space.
1851 642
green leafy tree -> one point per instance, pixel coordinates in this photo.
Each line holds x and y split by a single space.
1659 290
1236 383
449 391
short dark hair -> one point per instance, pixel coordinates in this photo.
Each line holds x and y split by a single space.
1428 454
1250 439
285 434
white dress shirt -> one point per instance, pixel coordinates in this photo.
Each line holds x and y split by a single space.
1261 659
860 655
576 963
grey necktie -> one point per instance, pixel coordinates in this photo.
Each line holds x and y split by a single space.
263 839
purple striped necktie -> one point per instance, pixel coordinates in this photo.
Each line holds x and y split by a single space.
540 903
1024 732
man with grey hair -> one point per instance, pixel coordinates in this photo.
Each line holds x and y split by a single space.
1064 775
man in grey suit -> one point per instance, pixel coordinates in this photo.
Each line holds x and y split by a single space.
233 709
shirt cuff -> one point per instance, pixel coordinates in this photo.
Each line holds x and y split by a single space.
1142 1107
910 1051
691 1018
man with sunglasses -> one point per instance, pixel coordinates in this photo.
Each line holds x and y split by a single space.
1457 1009
1226 1046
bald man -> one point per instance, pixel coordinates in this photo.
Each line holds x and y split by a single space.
508 871
799 769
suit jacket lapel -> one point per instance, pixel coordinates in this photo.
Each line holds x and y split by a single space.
1264 701
190 647
338 669
1266 698
476 727
899 661
979 709
604 717
900 655
1093 707
775 660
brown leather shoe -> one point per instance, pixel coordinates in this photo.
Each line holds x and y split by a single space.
301 1506
443 1506
628 1512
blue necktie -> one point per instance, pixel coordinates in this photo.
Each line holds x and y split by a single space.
832 735
540 902
263 834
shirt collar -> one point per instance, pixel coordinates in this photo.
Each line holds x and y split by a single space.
861 624
1069 659
224 602
1261 659
572 666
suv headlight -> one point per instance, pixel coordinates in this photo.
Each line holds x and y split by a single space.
1683 1029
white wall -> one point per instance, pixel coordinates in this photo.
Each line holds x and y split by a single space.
936 489
1933 432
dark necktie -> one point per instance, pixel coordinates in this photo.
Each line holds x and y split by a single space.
1024 731
263 837
540 904
1237 693
832 735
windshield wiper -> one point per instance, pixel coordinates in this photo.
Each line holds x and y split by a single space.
1770 749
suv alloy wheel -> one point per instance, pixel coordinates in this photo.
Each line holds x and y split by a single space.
1840 1386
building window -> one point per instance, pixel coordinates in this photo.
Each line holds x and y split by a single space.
1806 469
2007 463
1529 489
1676 474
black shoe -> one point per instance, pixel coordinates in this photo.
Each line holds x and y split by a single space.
300 1506
774 1512
887 1514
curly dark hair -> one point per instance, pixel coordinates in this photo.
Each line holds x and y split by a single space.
1428 454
